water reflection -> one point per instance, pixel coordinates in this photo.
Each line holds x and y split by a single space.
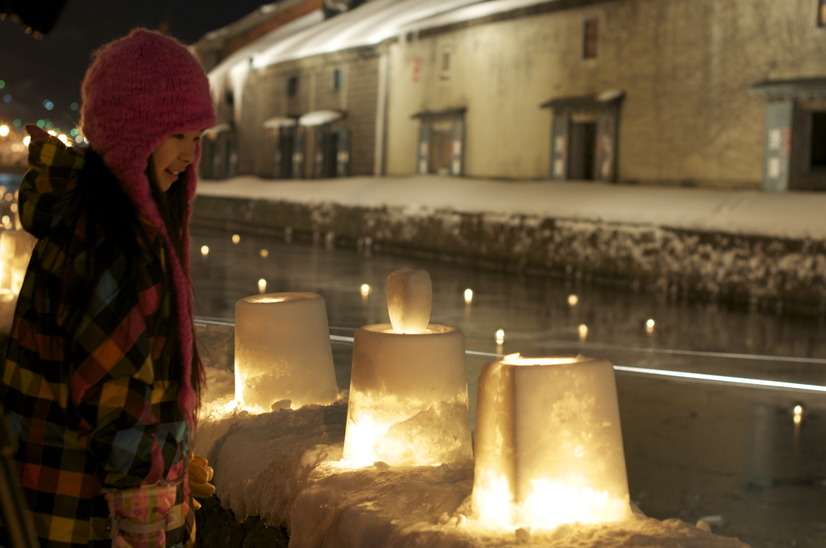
539 315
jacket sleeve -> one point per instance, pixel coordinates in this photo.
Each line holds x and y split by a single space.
111 385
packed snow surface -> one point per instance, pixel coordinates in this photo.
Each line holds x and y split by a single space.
785 215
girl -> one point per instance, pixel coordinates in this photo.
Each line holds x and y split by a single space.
102 379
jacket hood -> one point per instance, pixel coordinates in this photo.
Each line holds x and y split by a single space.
48 185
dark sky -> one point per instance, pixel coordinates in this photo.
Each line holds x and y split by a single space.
51 68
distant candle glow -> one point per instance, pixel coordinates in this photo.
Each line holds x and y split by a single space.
262 285
797 414
204 250
365 290
649 325
500 336
264 253
582 330
468 296
573 300
236 238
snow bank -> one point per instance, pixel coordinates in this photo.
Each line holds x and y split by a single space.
764 250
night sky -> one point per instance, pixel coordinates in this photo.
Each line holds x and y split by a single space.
51 68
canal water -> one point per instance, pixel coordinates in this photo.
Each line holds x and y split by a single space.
723 411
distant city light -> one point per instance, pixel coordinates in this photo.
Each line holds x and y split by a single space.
74 106
2 84
7 98
48 105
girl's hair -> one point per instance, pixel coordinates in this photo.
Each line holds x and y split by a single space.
111 213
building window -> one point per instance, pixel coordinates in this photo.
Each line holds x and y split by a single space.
821 13
818 140
590 34
445 60
338 79
292 86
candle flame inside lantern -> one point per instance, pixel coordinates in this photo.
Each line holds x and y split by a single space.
204 250
548 444
262 285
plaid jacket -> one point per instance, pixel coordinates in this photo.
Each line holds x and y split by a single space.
79 385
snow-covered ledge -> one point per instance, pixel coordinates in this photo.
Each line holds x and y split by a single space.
282 467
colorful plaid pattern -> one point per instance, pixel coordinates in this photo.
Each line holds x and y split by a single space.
79 386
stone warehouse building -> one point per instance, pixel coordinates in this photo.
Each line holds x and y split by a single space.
672 92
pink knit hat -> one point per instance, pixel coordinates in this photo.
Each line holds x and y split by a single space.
139 90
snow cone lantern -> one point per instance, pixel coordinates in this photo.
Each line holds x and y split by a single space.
408 401
15 250
283 356
548 444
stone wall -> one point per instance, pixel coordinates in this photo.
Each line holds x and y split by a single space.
742 270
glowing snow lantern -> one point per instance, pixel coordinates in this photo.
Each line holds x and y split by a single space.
15 249
408 390
548 444
282 352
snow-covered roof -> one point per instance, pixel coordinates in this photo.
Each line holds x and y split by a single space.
475 10
369 24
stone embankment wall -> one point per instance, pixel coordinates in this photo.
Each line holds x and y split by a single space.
751 271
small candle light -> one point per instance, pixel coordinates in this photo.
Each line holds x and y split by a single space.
797 414
548 444
264 253
649 326
468 296
204 250
582 330
499 336
573 300
236 238
262 285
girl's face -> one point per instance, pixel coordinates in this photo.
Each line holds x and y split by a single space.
173 156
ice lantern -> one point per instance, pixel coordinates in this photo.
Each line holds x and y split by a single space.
408 401
548 444
282 352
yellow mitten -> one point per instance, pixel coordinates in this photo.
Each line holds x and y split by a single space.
200 475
